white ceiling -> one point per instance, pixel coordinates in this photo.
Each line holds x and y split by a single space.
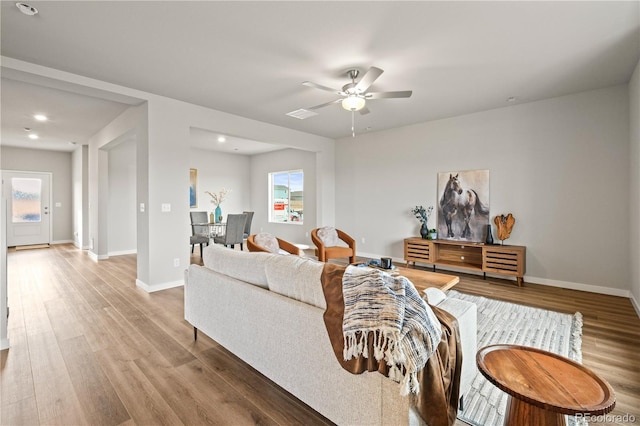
250 58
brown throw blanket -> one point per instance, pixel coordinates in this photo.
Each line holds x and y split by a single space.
439 380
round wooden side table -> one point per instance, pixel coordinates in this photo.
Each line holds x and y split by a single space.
543 386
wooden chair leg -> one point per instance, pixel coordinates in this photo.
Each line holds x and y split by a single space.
195 333
200 249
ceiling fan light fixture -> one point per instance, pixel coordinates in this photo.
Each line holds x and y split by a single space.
353 103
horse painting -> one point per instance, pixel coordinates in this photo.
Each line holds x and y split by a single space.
462 203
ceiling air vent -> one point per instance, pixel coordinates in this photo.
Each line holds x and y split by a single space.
301 114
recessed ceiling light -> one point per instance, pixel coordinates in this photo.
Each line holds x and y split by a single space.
33 136
27 9
40 117
222 139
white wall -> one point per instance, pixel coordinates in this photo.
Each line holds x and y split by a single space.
4 336
59 164
80 179
559 165
217 170
634 137
121 234
278 161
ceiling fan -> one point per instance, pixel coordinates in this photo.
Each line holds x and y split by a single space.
354 95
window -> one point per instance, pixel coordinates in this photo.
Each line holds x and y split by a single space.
26 200
286 197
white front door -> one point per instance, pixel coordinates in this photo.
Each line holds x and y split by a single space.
28 207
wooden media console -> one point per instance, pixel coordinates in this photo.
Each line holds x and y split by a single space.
498 259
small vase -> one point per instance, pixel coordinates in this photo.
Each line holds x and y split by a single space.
211 218
424 231
218 214
489 239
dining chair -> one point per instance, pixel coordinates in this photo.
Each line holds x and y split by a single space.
234 231
199 233
247 224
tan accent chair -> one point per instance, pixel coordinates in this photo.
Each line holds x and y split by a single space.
282 245
326 252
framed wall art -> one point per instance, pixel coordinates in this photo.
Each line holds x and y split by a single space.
193 188
463 205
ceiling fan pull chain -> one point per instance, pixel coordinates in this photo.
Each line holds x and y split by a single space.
353 124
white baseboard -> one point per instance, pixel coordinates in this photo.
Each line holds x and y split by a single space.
63 242
157 287
534 280
95 257
122 252
635 304
579 286
4 344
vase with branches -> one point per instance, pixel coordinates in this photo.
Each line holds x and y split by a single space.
217 199
423 215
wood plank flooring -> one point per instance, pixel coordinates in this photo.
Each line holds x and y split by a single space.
88 347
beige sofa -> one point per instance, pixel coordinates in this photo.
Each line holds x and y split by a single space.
267 309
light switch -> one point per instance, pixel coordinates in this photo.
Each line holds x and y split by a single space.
58 204
141 207
166 207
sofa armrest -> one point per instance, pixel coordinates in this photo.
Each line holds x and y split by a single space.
467 315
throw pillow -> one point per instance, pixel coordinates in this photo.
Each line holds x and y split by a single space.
268 242
329 236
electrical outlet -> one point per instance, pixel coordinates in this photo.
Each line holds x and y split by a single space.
363 240
306 234
176 262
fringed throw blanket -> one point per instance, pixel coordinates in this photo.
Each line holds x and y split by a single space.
405 330
438 381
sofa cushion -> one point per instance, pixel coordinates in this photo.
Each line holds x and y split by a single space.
433 296
329 236
297 278
268 242
241 265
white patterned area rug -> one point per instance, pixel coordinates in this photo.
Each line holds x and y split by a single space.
509 323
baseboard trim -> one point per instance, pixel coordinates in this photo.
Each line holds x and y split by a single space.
579 286
535 280
635 304
63 242
96 257
122 252
157 287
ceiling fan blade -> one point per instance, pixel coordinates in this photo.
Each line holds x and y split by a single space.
323 105
321 87
368 79
381 95
364 111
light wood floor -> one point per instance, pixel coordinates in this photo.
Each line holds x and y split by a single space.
88 347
